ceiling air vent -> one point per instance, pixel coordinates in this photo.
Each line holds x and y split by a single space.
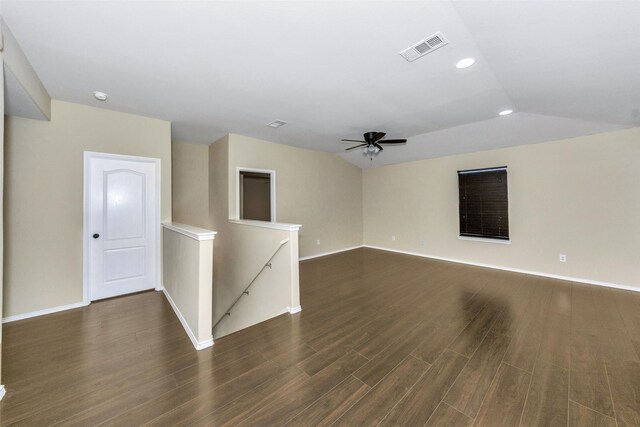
423 47
276 123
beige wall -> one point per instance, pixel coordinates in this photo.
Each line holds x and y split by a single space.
19 65
306 183
239 253
190 183
218 221
1 196
246 250
44 193
318 190
577 197
187 279
219 185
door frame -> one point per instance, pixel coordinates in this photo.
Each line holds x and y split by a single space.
86 214
272 174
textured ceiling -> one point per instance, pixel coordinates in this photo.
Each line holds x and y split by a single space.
332 69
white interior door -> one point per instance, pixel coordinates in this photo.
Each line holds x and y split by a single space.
122 224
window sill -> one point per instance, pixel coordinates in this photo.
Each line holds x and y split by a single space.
486 240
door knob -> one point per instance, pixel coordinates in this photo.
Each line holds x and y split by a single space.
96 235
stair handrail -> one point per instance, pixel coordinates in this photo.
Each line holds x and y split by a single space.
246 290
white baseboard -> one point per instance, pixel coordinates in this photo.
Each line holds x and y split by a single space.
330 253
204 344
43 312
199 345
294 310
2 391
286 310
514 270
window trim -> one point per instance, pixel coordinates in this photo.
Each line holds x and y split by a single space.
488 239
481 170
272 174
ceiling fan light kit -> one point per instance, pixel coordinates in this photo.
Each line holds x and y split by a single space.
371 149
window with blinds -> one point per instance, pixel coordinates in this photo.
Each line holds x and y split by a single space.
484 204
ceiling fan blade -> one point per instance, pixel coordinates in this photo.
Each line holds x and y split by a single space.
351 140
377 136
357 146
393 141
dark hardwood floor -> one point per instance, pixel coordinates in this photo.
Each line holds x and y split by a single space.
383 338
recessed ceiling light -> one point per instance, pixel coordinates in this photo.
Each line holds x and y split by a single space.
276 123
100 96
505 112
465 63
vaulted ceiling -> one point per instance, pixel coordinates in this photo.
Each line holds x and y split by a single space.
331 69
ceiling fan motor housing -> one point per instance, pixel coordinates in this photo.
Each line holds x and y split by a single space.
373 136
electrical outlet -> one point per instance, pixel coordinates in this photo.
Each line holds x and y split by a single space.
393 238
318 242
563 258
422 242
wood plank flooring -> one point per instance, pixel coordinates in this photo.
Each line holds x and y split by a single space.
383 339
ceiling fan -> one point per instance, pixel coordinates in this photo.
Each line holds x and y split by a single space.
373 143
